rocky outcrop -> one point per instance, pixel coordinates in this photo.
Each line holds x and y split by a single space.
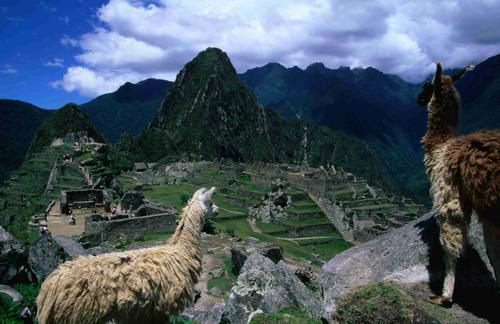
239 254
409 255
47 253
269 287
12 259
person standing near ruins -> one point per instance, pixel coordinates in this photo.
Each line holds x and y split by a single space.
26 315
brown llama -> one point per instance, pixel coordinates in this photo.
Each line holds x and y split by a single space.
464 172
139 286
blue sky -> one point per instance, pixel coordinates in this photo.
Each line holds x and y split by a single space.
54 52
31 34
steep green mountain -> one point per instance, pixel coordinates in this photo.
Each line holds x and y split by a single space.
18 123
127 110
65 120
377 108
210 113
480 91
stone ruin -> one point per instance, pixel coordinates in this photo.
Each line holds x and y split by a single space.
359 211
141 217
84 198
274 205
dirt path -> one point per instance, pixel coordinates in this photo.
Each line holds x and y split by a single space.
253 226
232 211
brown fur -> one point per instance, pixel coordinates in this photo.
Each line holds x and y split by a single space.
464 174
140 286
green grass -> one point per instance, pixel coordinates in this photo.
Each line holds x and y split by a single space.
380 303
9 313
313 209
287 315
290 249
304 202
226 282
170 194
157 237
270 228
305 223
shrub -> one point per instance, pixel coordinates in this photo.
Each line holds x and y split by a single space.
380 303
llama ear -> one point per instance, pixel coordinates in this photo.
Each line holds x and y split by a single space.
208 194
438 77
460 74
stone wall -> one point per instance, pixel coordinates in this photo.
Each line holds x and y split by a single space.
337 216
131 227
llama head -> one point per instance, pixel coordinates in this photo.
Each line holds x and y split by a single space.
441 85
203 197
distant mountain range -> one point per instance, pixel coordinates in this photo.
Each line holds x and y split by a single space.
18 123
127 110
368 105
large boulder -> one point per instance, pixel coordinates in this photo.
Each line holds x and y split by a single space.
268 287
239 254
47 253
410 256
12 259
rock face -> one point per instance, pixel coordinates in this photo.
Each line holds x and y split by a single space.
240 254
12 258
48 252
409 255
264 285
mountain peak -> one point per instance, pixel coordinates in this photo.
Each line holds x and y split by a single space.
209 112
316 67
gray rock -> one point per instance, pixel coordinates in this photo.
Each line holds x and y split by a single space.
409 255
239 254
251 240
12 293
201 316
269 287
12 259
217 273
214 291
47 253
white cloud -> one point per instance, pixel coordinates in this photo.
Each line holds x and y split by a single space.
8 69
68 41
140 39
56 62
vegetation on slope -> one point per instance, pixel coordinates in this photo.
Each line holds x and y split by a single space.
66 120
128 110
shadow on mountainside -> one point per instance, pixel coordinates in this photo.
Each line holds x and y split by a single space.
475 290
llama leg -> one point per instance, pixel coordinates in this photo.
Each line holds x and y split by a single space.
454 225
492 242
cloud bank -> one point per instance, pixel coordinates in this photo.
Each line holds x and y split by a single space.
137 39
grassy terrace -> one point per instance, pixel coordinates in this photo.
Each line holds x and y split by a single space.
305 223
30 181
290 248
242 190
381 206
270 228
312 209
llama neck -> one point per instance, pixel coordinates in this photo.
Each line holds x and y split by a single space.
442 124
187 235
